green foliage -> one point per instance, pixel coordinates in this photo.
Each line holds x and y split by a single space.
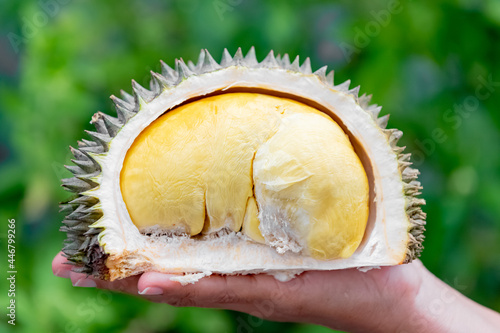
426 62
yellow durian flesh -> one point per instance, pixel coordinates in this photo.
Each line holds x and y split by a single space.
282 172
251 222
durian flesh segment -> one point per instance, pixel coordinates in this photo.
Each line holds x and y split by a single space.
308 177
193 170
251 221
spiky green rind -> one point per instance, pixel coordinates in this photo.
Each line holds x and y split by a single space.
82 244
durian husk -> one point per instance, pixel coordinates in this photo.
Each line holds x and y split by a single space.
102 241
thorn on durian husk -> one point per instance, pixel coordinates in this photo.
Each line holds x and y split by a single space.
354 92
226 58
98 123
295 65
80 155
414 208
77 228
124 104
306 66
106 124
344 86
269 61
81 210
86 143
71 223
71 246
113 125
321 74
285 61
199 63
183 70
84 245
69 212
102 139
91 147
85 200
374 111
78 185
124 110
70 252
238 59
162 81
87 165
74 238
95 149
155 86
82 269
169 74
329 78
77 171
404 157
209 64
66 208
93 231
82 143
393 135
127 97
413 202
142 93
191 65
92 217
398 150
412 188
251 58
382 121
364 100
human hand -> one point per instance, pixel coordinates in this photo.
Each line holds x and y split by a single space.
405 298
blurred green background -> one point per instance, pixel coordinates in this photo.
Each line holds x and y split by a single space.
433 65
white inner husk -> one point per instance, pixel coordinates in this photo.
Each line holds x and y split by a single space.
386 237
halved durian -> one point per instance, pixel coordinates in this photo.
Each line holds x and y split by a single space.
241 167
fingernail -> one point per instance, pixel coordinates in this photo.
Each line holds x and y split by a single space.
64 273
86 283
151 291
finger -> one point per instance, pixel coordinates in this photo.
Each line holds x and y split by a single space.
60 267
216 291
127 285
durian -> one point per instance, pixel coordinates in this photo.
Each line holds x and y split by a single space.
241 167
